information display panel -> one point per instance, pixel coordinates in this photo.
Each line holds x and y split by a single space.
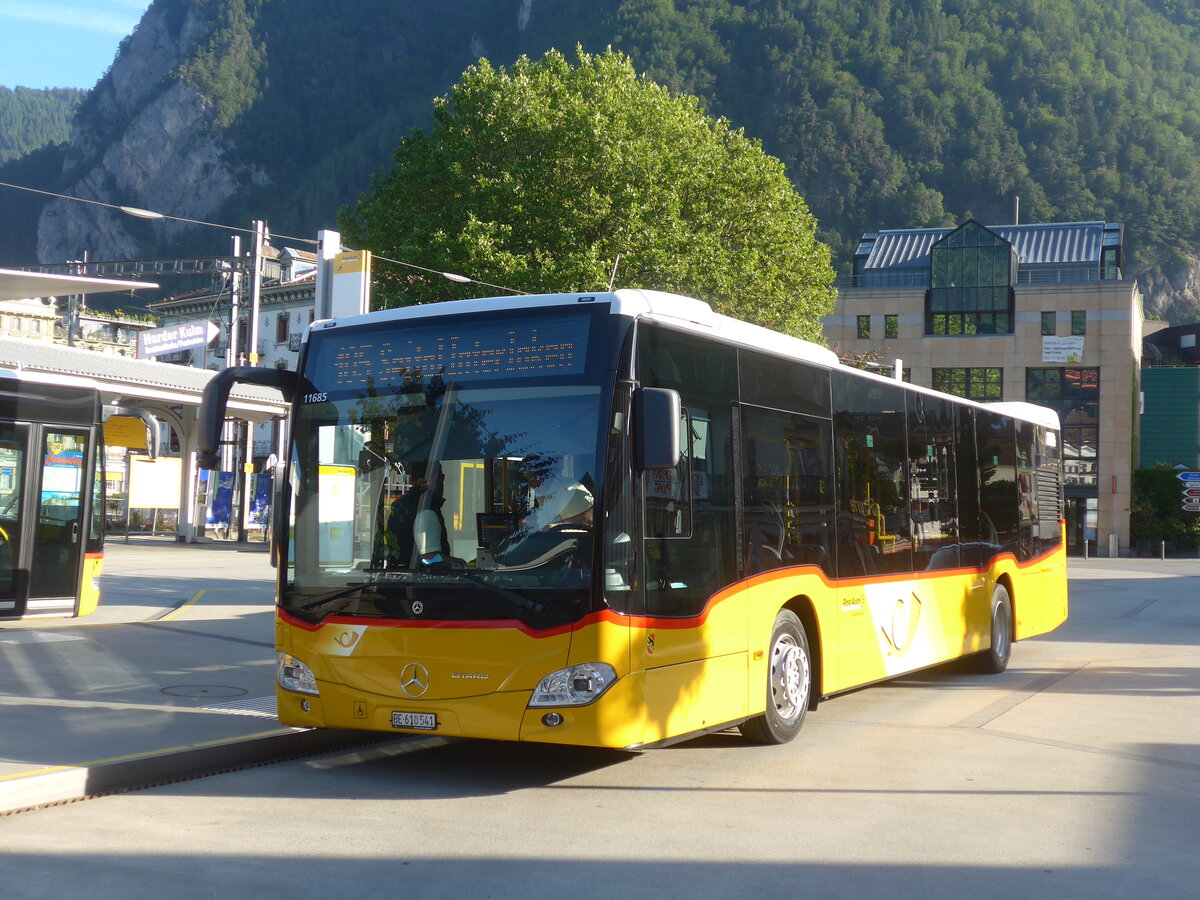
458 351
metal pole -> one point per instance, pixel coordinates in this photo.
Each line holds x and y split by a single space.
128 484
260 230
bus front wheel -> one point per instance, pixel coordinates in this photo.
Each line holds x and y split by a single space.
994 660
789 682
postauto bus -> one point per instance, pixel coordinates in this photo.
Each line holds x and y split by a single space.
622 520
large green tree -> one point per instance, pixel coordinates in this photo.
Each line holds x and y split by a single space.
539 176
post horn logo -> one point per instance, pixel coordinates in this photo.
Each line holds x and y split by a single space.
414 680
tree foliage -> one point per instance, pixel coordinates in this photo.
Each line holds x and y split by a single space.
539 175
30 119
1156 513
225 66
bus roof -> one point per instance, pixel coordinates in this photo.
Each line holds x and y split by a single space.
657 305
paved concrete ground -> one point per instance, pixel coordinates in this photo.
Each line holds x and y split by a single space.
173 672
1074 774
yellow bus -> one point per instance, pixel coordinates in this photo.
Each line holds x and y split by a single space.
622 520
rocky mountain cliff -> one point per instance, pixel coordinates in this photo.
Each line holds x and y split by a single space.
144 138
886 115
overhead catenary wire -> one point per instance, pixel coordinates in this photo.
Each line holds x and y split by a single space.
153 215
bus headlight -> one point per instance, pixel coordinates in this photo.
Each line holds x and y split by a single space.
294 675
574 685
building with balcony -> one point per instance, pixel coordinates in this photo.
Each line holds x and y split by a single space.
1037 312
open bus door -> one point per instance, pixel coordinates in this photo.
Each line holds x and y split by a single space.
46 472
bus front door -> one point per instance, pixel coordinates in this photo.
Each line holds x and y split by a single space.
57 534
14 443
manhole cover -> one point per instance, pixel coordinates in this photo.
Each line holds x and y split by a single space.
204 690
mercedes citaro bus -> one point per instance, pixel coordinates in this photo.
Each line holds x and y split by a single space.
622 520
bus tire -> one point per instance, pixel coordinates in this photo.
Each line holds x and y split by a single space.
789 684
994 660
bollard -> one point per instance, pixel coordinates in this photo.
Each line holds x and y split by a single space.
1085 548
1162 549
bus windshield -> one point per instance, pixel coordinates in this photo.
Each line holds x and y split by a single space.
445 500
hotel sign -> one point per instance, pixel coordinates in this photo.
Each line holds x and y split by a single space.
173 338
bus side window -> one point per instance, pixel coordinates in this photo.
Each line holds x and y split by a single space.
689 547
874 528
933 489
787 491
997 464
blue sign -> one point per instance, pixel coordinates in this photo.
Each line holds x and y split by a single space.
220 502
1189 476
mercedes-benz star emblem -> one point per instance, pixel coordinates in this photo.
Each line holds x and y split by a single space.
414 679
418 607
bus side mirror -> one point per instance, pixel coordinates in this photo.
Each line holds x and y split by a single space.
656 428
281 525
216 398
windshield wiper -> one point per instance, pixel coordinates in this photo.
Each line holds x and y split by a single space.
352 587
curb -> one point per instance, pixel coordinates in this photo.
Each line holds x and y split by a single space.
62 784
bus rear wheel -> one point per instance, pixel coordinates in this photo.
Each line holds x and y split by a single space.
995 659
789 683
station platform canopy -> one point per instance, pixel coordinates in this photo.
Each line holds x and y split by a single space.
154 386
19 285
170 393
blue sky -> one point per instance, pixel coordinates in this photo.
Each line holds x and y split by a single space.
62 43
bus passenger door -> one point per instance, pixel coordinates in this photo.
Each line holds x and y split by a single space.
58 531
14 444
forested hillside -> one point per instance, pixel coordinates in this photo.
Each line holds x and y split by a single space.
30 118
886 114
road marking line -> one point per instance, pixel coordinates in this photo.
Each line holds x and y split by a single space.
173 613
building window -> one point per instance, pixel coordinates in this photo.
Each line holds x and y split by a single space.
864 326
281 328
1075 395
972 271
974 384
16 323
891 326
1078 322
1049 323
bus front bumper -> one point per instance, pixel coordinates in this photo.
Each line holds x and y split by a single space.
610 721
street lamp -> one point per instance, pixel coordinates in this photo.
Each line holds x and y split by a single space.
139 213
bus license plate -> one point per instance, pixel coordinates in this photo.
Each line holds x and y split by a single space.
420 721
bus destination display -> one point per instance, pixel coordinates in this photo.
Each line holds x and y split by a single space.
458 352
